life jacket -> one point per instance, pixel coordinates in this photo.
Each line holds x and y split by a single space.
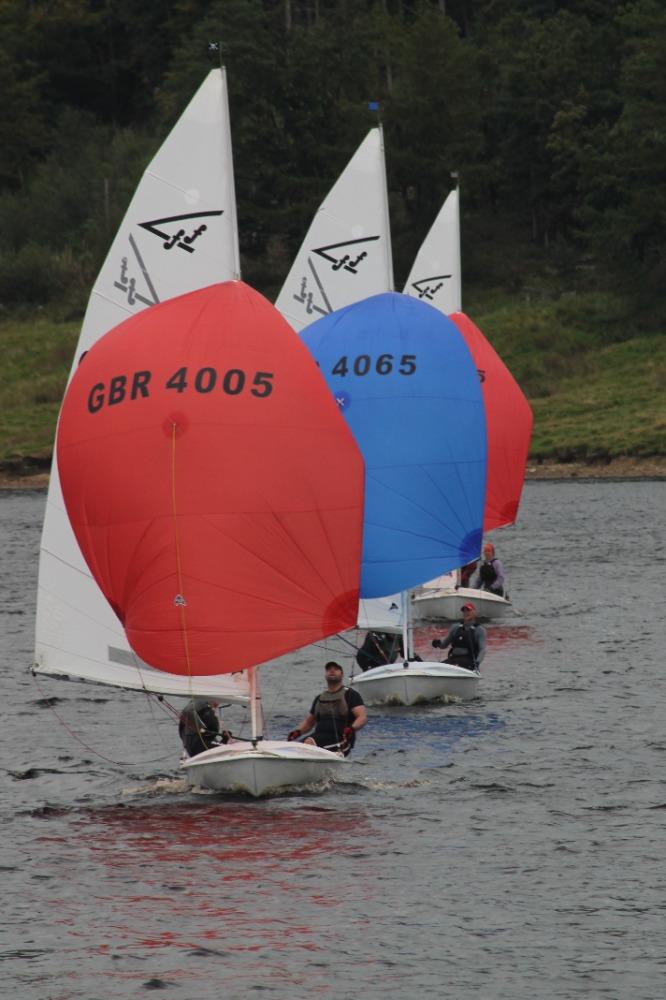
378 648
332 707
464 646
198 729
488 573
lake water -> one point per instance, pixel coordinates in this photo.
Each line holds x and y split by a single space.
509 848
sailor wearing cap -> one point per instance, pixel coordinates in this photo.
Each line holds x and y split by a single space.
467 640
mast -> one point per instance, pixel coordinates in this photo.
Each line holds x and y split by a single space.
407 625
256 713
374 106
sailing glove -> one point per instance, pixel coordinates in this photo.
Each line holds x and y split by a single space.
294 734
437 643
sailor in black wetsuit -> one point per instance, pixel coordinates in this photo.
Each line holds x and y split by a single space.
199 726
336 714
378 649
467 640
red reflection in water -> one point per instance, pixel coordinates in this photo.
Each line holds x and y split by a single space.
498 636
219 878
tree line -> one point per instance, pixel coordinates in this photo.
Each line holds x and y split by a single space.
550 112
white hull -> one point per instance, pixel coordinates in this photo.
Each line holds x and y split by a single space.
431 604
272 767
416 682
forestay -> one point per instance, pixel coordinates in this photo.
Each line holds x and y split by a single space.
404 379
346 254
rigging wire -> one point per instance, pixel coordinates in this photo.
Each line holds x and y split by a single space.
118 763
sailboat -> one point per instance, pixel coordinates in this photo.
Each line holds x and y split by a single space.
436 277
216 494
423 438
402 679
179 234
346 253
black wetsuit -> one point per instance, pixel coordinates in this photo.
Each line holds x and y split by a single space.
198 727
378 648
468 643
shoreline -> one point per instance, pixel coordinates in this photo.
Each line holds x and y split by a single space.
615 468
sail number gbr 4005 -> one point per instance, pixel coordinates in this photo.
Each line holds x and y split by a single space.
233 382
364 364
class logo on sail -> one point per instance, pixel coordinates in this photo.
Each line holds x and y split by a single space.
175 231
174 234
346 257
427 288
134 281
312 294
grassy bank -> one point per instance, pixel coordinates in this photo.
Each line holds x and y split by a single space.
595 380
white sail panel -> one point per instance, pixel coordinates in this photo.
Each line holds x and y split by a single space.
346 255
179 234
436 274
381 614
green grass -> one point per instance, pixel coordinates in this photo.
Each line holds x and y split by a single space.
595 380
36 358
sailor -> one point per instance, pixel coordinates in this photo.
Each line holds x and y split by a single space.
199 726
467 640
491 573
379 648
336 714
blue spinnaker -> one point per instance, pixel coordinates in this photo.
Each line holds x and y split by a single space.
406 383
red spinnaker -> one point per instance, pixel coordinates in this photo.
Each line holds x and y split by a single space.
508 426
214 488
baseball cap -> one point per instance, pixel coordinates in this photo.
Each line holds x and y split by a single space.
468 607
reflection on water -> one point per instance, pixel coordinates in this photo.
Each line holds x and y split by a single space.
504 848
216 878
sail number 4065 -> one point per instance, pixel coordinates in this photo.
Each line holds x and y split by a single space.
363 364
232 382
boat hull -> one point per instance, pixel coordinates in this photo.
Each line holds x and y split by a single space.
417 682
430 605
270 768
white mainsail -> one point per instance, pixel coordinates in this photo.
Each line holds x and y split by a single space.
346 254
179 234
435 276
381 614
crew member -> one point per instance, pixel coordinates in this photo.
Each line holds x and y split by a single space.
199 726
336 715
467 640
491 572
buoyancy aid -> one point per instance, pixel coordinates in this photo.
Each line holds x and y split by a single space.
464 646
488 573
332 707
